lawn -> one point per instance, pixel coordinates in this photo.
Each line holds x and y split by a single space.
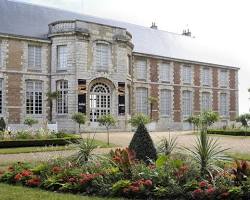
9 192
17 150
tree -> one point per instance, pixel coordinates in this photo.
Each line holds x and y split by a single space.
50 97
244 120
108 121
2 124
138 119
79 118
194 120
152 101
30 121
143 145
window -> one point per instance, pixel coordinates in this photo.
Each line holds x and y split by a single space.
102 56
223 104
165 72
141 69
187 103
1 95
187 74
34 57
165 102
62 99
142 100
0 54
129 65
223 78
205 101
62 57
206 76
34 97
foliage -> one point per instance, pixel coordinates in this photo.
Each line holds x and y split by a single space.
108 121
79 118
152 102
143 145
193 120
240 172
167 145
229 132
244 120
30 121
138 119
2 124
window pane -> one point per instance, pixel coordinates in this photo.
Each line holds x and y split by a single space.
34 57
223 105
142 100
187 75
102 56
206 76
1 95
206 101
187 103
141 69
165 72
62 99
62 57
165 102
223 78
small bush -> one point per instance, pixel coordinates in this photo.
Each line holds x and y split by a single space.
143 145
229 132
138 119
30 121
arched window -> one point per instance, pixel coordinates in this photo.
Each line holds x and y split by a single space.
100 101
62 99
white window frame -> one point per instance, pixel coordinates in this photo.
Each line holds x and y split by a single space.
142 100
166 102
206 76
62 57
34 57
102 56
62 87
187 103
187 75
165 72
141 69
224 105
206 102
223 78
34 97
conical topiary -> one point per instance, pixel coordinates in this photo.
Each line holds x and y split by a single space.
2 124
143 145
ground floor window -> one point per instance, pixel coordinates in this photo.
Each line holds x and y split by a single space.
223 104
187 103
34 97
62 99
142 100
205 101
165 102
100 101
1 95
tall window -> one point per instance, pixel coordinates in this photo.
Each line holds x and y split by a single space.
223 104
223 78
102 56
187 102
1 95
165 72
206 76
187 74
165 102
142 100
62 99
34 97
34 57
0 54
205 101
62 57
141 69
129 65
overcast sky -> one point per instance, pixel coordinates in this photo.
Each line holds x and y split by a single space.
222 23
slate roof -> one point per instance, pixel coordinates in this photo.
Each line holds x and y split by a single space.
32 21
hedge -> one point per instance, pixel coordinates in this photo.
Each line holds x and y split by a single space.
230 132
37 142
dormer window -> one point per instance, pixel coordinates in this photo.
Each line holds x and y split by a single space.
102 56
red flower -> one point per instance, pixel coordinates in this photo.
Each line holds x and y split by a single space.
210 191
134 189
148 183
72 180
26 173
18 177
34 182
197 192
56 170
203 184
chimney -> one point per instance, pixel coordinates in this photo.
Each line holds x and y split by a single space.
153 26
187 32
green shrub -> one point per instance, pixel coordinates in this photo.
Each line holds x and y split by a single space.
138 119
30 121
229 132
143 145
80 119
24 135
108 121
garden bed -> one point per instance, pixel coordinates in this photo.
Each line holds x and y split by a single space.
230 132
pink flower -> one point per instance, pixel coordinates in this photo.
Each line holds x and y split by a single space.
203 184
148 183
18 177
197 192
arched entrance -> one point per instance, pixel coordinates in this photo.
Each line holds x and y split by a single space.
99 100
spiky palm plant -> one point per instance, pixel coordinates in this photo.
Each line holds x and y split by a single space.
167 145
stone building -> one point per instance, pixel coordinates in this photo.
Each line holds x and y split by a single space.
101 66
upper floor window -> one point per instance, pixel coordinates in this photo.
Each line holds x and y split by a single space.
187 74
165 102
34 57
62 57
62 99
129 65
102 56
34 97
142 100
205 101
165 72
1 95
223 78
223 104
187 103
141 69
206 76
0 54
